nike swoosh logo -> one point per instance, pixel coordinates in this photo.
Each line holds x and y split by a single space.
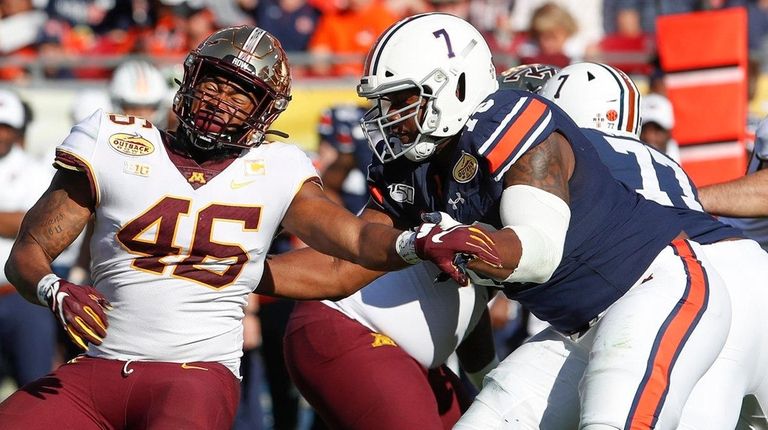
235 184
187 366
436 238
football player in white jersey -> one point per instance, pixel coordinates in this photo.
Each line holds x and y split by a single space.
183 221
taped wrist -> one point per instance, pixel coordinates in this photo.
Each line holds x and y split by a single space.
46 288
540 219
405 245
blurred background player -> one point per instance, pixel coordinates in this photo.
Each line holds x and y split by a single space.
344 150
658 119
27 332
139 88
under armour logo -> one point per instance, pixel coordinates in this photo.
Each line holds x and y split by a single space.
454 203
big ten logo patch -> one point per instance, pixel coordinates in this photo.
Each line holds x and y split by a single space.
138 169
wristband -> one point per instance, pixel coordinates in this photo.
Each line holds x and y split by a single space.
405 245
45 289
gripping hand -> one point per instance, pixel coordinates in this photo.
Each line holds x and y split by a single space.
78 308
440 238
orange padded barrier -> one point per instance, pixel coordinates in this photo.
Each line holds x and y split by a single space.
702 39
709 113
704 55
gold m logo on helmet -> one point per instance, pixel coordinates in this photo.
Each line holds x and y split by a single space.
131 144
197 177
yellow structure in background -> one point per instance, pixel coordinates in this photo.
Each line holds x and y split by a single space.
52 106
303 113
759 105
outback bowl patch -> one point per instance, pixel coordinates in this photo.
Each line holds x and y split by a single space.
465 169
131 144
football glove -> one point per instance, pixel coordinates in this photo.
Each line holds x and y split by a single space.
78 308
440 238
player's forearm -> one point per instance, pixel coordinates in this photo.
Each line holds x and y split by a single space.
376 248
50 226
27 264
743 197
510 252
306 274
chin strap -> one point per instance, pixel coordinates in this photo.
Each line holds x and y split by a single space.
277 133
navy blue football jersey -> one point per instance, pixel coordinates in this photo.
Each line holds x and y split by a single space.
614 233
659 178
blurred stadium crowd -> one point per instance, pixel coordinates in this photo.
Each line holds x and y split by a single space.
130 52
86 39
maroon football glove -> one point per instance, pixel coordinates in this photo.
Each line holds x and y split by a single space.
441 238
79 309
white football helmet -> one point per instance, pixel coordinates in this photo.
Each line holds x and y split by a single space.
137 83
597 96
442 56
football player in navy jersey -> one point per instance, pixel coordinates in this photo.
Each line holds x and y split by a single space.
589 92
611 271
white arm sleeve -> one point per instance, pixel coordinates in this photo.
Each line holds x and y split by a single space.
540 220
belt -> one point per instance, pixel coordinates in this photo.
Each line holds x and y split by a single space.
581 331
6 289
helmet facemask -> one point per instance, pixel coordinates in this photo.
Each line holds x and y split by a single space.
209 133
379 121
250 60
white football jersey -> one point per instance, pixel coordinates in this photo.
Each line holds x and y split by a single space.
177 247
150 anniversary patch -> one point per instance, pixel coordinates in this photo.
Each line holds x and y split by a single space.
131 144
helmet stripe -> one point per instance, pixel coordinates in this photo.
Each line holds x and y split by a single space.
250 44
142 86
384 38
628 100
633 103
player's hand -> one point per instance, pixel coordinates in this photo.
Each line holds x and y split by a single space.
441 237
78 308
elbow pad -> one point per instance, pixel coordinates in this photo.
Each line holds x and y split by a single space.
540 220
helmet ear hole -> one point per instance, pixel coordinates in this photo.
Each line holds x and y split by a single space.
461 87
